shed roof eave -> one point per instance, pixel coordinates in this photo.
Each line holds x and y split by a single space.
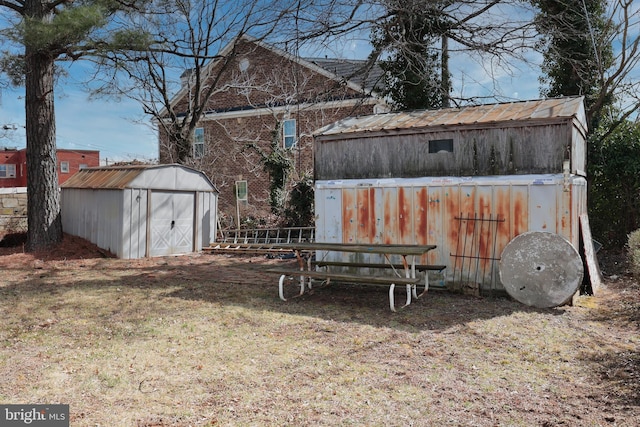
365 133
548 110
129 177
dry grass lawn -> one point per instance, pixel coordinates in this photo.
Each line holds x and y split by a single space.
203 340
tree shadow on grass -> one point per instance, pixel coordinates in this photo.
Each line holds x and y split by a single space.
242 281
224 282
246 284
619 364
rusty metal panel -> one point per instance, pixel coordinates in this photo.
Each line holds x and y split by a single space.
103 178
519 210
429 211
452 209
366 220
379 205
406 231
366 215
349 216
435 225
390 215
157 177
502 201
421 208
485 232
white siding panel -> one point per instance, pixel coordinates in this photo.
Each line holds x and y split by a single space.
542 206
135 224
94 215
207 208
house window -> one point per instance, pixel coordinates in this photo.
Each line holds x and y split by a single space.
64 167
242 193
198 143
82 166
441 146
7 171
289 133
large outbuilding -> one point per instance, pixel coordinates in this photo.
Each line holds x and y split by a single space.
468 180
142 210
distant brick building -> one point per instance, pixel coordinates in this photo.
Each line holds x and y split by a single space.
13 165
266 95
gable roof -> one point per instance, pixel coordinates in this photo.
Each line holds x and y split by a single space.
542 110
351 72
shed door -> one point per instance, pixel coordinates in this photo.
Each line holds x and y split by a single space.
172 219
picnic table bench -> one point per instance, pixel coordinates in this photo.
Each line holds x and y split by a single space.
306 267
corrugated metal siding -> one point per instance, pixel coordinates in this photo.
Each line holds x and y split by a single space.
96 216
135 224
424 211
207 208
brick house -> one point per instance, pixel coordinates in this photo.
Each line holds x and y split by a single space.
13 165
268 96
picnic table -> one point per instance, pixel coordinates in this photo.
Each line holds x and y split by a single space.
404 273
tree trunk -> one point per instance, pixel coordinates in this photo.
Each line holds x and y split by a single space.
445 76
43 195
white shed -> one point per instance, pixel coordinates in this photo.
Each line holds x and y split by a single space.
141 211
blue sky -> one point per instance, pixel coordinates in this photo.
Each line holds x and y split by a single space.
120 131
111 127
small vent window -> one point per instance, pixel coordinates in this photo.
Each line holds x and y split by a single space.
441 146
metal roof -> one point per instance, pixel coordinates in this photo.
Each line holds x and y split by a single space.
121 177
536 110
115 177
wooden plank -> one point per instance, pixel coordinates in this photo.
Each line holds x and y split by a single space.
347 277
390 249
593 269
419 267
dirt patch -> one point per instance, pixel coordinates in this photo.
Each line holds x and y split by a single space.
204 340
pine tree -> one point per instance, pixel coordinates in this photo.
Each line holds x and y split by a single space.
48 31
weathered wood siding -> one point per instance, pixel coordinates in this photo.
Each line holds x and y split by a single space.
497 150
